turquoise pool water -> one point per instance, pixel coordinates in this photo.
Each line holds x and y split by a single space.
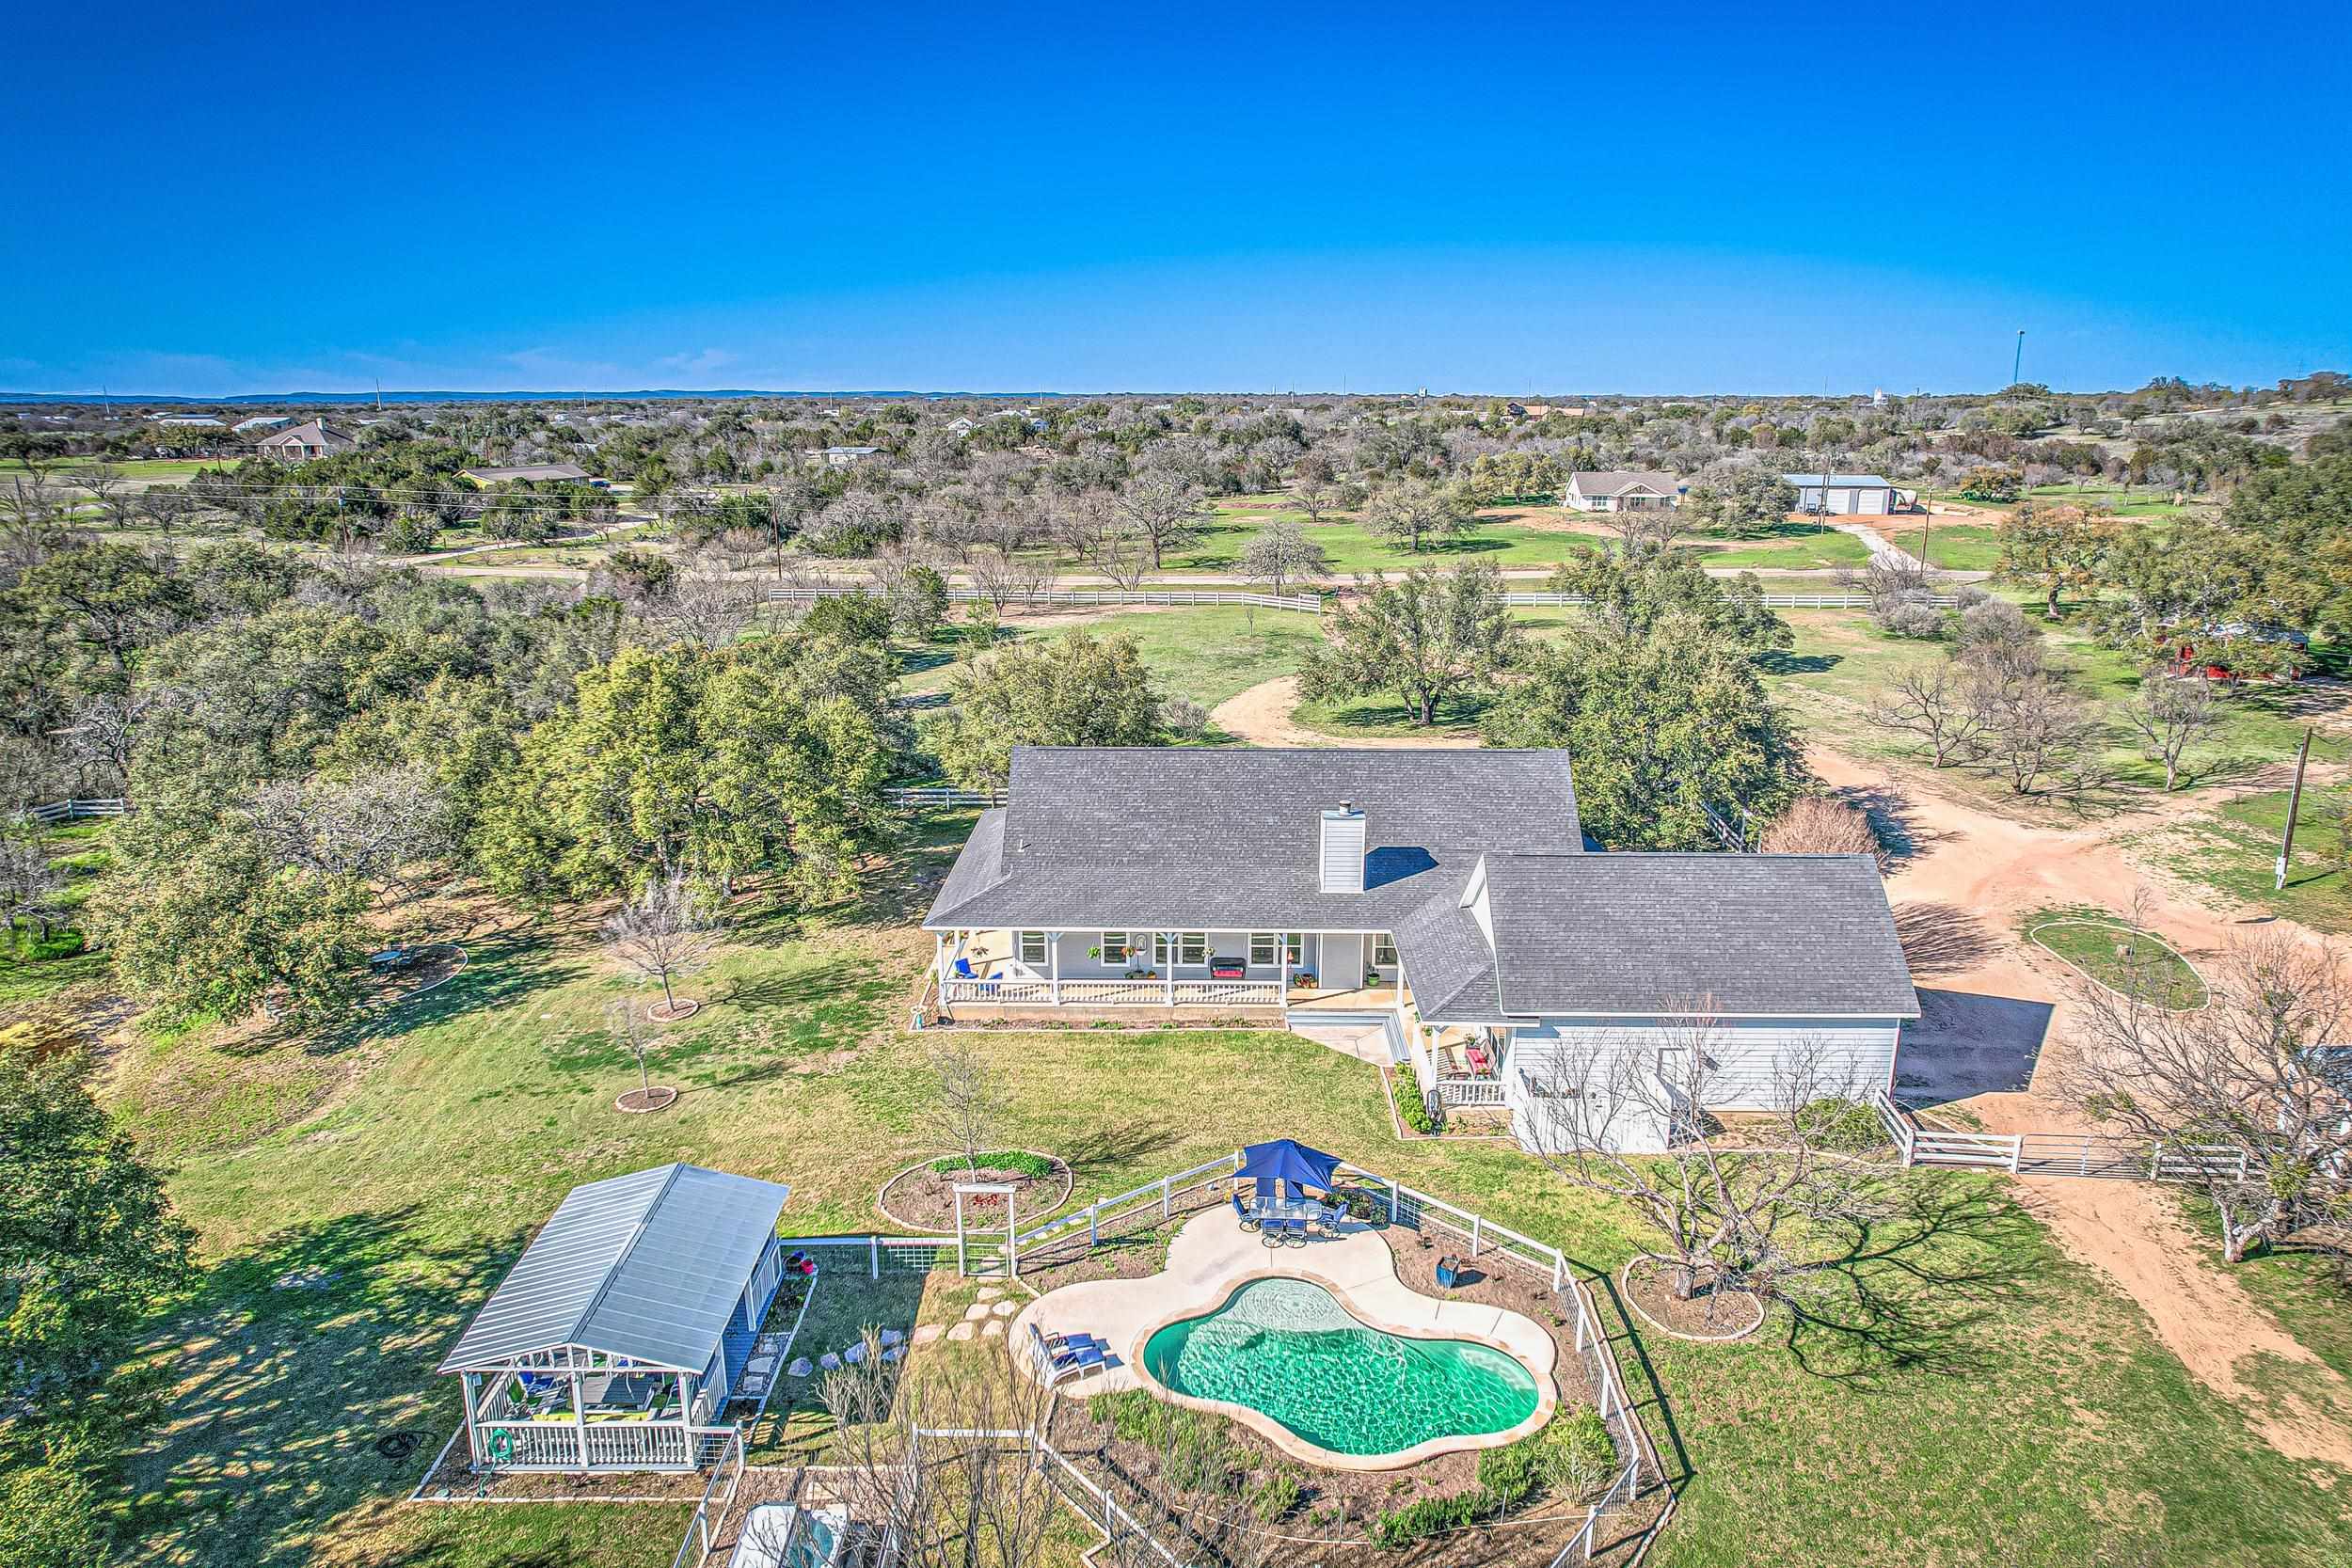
1287 1348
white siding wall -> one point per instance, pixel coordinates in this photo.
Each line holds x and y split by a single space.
1856 1055
1076 965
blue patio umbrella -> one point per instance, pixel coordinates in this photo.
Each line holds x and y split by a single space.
1287 1160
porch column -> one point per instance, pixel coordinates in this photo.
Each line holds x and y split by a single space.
471 1384
579 1418
1175 945
1282 956
1052 967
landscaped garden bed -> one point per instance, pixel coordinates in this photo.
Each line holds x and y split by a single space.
2119 957
923 1196
1709 1313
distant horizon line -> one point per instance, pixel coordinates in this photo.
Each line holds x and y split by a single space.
678 393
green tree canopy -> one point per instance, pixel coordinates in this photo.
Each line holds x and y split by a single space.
1632 590
1426 636
1074 691
1660 723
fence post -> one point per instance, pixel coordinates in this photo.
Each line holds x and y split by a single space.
873 1255
1475 1222
2016 1153
1559 1270
1094 1223
1392 1200
1164 1181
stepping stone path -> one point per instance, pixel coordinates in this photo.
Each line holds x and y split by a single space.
893 1352
799 1366
993 1329
974 1314
854 1355
892 1336
928 1332
961 1331
829 1361
989 1292
1005 1308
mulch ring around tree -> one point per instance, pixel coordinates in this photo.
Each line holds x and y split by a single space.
678 1012
922 1198
1711 1316
660 1097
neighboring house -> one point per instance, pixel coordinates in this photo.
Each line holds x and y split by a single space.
529 470
188 421
618 1336
259 422
1642 491
841 457
1445 898
1857 495
305 442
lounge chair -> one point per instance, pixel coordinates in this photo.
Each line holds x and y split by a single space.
1249 1221
1078 1355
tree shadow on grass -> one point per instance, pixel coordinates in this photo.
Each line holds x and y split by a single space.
1892 818
288 1363
1941 939
1118 1147
1797 664
1925 1288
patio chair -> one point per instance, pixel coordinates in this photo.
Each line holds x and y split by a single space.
1249 1221
1078 1355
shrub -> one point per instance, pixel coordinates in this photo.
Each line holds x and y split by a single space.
1430 1516
1511 1475
1845 1125
1410 1107
1577 1453
1913 614
1819 824
1019 1162
851 617
1275 1497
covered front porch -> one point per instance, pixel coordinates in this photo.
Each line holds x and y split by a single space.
984 973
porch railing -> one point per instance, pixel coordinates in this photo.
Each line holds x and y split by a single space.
611 1444
1115 993
1470 1091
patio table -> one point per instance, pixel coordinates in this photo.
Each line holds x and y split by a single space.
1289 1209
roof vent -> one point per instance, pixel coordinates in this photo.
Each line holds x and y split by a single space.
1343 857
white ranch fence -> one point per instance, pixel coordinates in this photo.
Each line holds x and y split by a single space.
705 1526
74 811
1310 604
2052 1153
1070 1236
1524 598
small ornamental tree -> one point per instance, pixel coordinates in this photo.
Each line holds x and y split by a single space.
665 933
632 1031
970 1104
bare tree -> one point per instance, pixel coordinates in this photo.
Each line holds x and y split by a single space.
1092 526
105 483
1931 703
169 506
970 1104
665 933
1821 825
1648 528
1320 498
104 730
1626 1115
2171 715
29 885
1165 508
633 1032
1003 577
704 604
2251 1093
378 827
1280 552
2037 727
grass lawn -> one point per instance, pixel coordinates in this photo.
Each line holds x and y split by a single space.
2118 955
357 1198
154 470
1204 654
2236 852
1954 546
31 968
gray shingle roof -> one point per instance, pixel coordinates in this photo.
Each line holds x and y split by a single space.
1150 839
1157 838
647 1265
1614 481
1759 934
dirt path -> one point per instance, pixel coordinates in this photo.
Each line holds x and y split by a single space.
1995 1032
1262 716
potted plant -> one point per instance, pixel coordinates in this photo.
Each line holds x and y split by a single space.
1304 980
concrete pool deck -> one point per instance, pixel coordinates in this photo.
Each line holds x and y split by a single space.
1213 1255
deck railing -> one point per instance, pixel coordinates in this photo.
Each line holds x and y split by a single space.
610 1445
1114 993
1470 1091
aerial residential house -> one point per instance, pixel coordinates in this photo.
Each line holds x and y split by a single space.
1855 495
843 457
304 442
1634 491
188 421
261 422
1447 898
539 472
618 1336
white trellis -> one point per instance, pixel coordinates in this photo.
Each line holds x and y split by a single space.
995 1189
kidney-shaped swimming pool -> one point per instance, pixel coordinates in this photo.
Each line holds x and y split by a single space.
1287 1349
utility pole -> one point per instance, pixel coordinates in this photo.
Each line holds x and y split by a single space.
2018 362
2295 802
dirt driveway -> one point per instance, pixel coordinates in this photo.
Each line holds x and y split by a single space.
1996 1013
1262 716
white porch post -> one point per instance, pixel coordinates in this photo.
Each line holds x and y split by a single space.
1052 967
579 1418
1282 954
471 1384
1175 945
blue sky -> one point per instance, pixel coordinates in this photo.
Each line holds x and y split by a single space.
1693 199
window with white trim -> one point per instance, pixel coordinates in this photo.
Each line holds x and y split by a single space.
1383 953
1192 947
1033 948
1268 948
1114 947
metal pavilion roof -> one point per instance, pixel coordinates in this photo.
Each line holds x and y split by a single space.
646 1266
